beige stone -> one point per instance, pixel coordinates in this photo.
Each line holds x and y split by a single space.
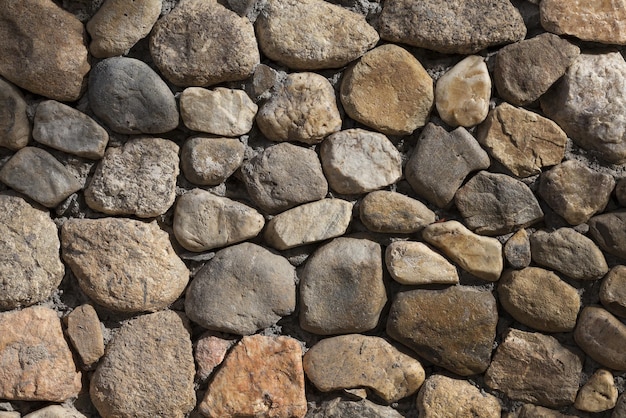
599 394
414 263
210 161
394 213
602 336
613 291
83 329
533 411
14 123
54 411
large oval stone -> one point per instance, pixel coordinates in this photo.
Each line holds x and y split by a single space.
602 336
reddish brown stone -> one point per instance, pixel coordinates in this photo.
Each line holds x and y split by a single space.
83 328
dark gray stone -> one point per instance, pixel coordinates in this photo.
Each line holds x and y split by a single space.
14 124
609 232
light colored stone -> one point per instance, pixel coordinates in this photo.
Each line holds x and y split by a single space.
414 263
613 291
608 230
10 414
602 336
599 394
14 124
394 213
529 410
517 250
210 161
209 352
85 334
340 407
55 411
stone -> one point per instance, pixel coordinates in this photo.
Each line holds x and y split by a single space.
10 414
341 287
517 250
51 41
69 130
459 341
608 231
264 79
462 94
587 103
443 396
441 161
149 356
221 111
267 375
339 407
38 175
138 178
31 269
620 191
303 109
210 161
394 213
620 408
37 363
388 90
478 255
119 24
353 361
14 124
575 192
313 34
308 223
203 221
522 141
568 252
85 334
536 368
539 299
284 176
55 411
529 410
357 161
525 70
613 291
209 352
496 204
241 298
451 27
414 263
602 336
115 264
202 43
599 394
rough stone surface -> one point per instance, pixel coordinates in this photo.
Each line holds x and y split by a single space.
209 352
613 291
85 334
210 161
391 212
609 232
620 191
414 263
517 250
14 124
598 394
533 411
602 336
54 411
338 407
620 407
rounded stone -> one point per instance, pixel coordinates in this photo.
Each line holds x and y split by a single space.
609 232
602 336
613 291
599 394
210 161
391 212
414 263
14 123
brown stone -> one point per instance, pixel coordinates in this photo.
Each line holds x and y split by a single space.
83 329
394 213
609 232
14 124
210 161
414 263
602 336
517 250
598 394
533 411
613 291
209 352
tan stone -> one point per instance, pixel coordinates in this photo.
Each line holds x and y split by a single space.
210 161
14 123
394 213
613 291
55 411
209 352
599 394
533 411
602 336
414 263
517 250
83 329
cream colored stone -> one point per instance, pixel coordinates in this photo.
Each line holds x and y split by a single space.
414 263
54 411
599 394
391 212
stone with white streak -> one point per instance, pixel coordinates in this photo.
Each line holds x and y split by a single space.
415 263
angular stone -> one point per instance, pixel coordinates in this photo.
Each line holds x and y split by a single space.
461 340
522 141
14 124
264 79
414 263
10 414
517 250
210 161
388 90
339 407
115 264
609 232
599 393
341 287
441 161
394 213
37 363
54 411
478 255
85 334
533 367
150 356
267 375
569 252
613 291
209 352
138 178
311 222
602 336
37 174
201 43
303 109
242 297
575 191
357 161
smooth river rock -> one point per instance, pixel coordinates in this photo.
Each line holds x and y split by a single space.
602 336
394 213
415 263
599 394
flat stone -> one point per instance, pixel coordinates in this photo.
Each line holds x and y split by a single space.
313 34
414 263
525 70
202 43
533 367
522 141
340 407
138 178
394 213
115 264
10 414
517 250
148 357
85 334
69 130
459 341
54 411
609 232
388 90
221 111
599 394
529 410
38 175
354 361
14 123
308 223
268 375
569 252
241 298
51 41
303 109
478 255
358 161
37 364
131 98
602 336
341 287
613 291
441 161
462 94
209 352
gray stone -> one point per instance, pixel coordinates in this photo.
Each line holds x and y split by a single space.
620 191
620 408
85 334
210 161
264 79
602 336
340 408
517 250
613 291
609 232
599 394
414 263
14 124
394 213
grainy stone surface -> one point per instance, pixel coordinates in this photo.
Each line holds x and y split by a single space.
602 336
620 407
85 334
414 263
209 352
54 411
14 124
517 250
613 291
620 191
210 161
533 411
338 407
391 212
609 232
598 394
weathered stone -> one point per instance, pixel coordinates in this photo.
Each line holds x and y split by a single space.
209 352
85 334
241 298
14 124
210 161
620 408
357 161
339 407
517 250
54 411
609 232
533 411
149 357
620 191
201 43
599 393
123 264
522 141
461 340
341 287
138 178
414 263
304 109
602 336
533 367
441 161
394 213
613 291
388 90
478 255
37 363
10 414
264 79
